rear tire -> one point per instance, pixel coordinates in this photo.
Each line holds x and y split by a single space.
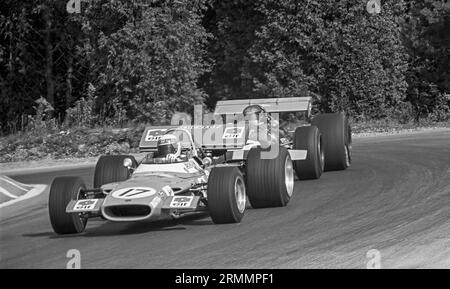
110 169
336 137
62 191
309 138
226 195
270 182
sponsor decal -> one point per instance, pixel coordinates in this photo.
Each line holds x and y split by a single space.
154 134
85 205
181 202
233 132
190 167
133 193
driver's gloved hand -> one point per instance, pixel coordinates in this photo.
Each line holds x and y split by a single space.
172 157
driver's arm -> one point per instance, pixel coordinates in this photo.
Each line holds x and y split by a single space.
173 157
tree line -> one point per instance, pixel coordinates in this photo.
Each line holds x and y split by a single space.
139 61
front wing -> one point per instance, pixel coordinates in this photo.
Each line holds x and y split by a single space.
166 205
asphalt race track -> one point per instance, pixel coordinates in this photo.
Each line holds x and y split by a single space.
394 198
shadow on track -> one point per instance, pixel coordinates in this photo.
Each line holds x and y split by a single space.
106 228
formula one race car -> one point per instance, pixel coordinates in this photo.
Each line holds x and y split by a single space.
209 167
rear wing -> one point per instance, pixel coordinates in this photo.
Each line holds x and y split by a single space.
230 135
288 104
204 136
150 137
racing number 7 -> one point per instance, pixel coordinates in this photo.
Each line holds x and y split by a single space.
133 192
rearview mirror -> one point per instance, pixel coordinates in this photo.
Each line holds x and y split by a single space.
207 162
128 163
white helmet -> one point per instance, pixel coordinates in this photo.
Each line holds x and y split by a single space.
167 144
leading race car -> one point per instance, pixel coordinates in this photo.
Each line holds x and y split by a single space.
211 168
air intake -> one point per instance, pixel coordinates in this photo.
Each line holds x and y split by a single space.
128 211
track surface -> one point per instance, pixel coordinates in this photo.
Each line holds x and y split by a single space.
394 198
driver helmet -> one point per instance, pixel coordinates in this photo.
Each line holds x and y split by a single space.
167 144
252 112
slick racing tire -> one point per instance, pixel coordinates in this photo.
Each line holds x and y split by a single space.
110 169
337 140
226 195
270 181
62 191
309 138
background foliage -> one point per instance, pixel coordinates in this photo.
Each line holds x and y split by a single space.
128 62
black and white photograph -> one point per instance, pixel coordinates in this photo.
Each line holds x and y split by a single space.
235 138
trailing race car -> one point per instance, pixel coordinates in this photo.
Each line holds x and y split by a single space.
212 168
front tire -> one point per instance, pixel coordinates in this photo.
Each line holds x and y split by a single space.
270 182
337 140
309 138
62 191
226 195
110 169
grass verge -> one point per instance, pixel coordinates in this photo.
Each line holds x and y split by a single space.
87 144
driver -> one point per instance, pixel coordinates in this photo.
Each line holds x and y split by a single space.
253 118
252 113
255 115
169 147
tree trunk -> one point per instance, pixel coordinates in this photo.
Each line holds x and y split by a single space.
49 57
68 99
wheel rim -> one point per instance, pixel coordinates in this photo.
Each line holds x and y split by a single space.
347 156
321 155
239 191
80 215
289 176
